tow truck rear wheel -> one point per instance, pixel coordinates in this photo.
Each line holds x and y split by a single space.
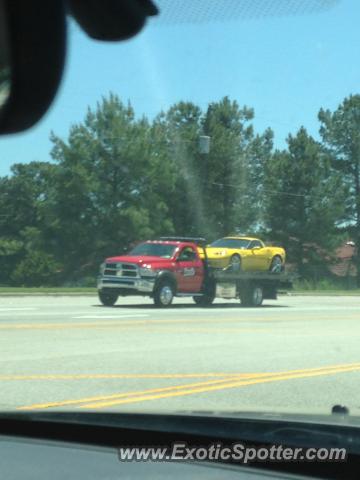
108 299
164 294
252 296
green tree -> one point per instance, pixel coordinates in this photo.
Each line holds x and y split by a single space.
23 204
36 267
182 127
258 155
340 131
226 170
304 202
212 194
104 198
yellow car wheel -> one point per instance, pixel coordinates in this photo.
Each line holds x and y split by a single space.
235 262
276 265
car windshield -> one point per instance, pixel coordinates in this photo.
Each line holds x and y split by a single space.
218 119
231 243
154 250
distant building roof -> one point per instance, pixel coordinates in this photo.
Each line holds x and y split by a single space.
344 265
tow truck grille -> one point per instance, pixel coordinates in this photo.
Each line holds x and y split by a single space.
121 269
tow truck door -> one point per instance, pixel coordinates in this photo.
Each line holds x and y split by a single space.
189 270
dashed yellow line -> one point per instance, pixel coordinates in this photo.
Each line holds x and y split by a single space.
232 381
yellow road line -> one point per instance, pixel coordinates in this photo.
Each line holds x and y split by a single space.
89 376
235 380
210 388
134 323
64 325
101 324
117 395
143 328
177 329
86 376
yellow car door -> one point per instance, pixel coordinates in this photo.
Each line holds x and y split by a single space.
259 257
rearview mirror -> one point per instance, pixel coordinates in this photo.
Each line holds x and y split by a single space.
33 48
5 62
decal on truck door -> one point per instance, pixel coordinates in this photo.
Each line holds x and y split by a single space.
189 272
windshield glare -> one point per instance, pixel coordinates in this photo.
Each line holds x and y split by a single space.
154 250
222 121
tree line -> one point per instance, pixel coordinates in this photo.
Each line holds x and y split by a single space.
117 179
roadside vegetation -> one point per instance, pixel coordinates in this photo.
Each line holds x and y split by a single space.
118 179
47 291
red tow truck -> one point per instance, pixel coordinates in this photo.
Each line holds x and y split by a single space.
177 266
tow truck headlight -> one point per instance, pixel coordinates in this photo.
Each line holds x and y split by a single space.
147 272
102 269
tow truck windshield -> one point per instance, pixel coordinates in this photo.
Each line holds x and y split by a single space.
154 250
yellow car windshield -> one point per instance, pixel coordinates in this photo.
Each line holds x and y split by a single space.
231 243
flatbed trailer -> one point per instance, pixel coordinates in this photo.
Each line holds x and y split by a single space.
250 287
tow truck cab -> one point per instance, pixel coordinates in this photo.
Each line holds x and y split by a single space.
160 269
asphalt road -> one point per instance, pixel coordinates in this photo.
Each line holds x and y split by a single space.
296 354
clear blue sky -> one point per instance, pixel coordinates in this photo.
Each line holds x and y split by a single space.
284 67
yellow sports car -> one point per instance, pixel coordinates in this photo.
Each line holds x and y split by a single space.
245 254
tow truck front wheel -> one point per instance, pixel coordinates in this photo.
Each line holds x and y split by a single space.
252 296
163 295
108 299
